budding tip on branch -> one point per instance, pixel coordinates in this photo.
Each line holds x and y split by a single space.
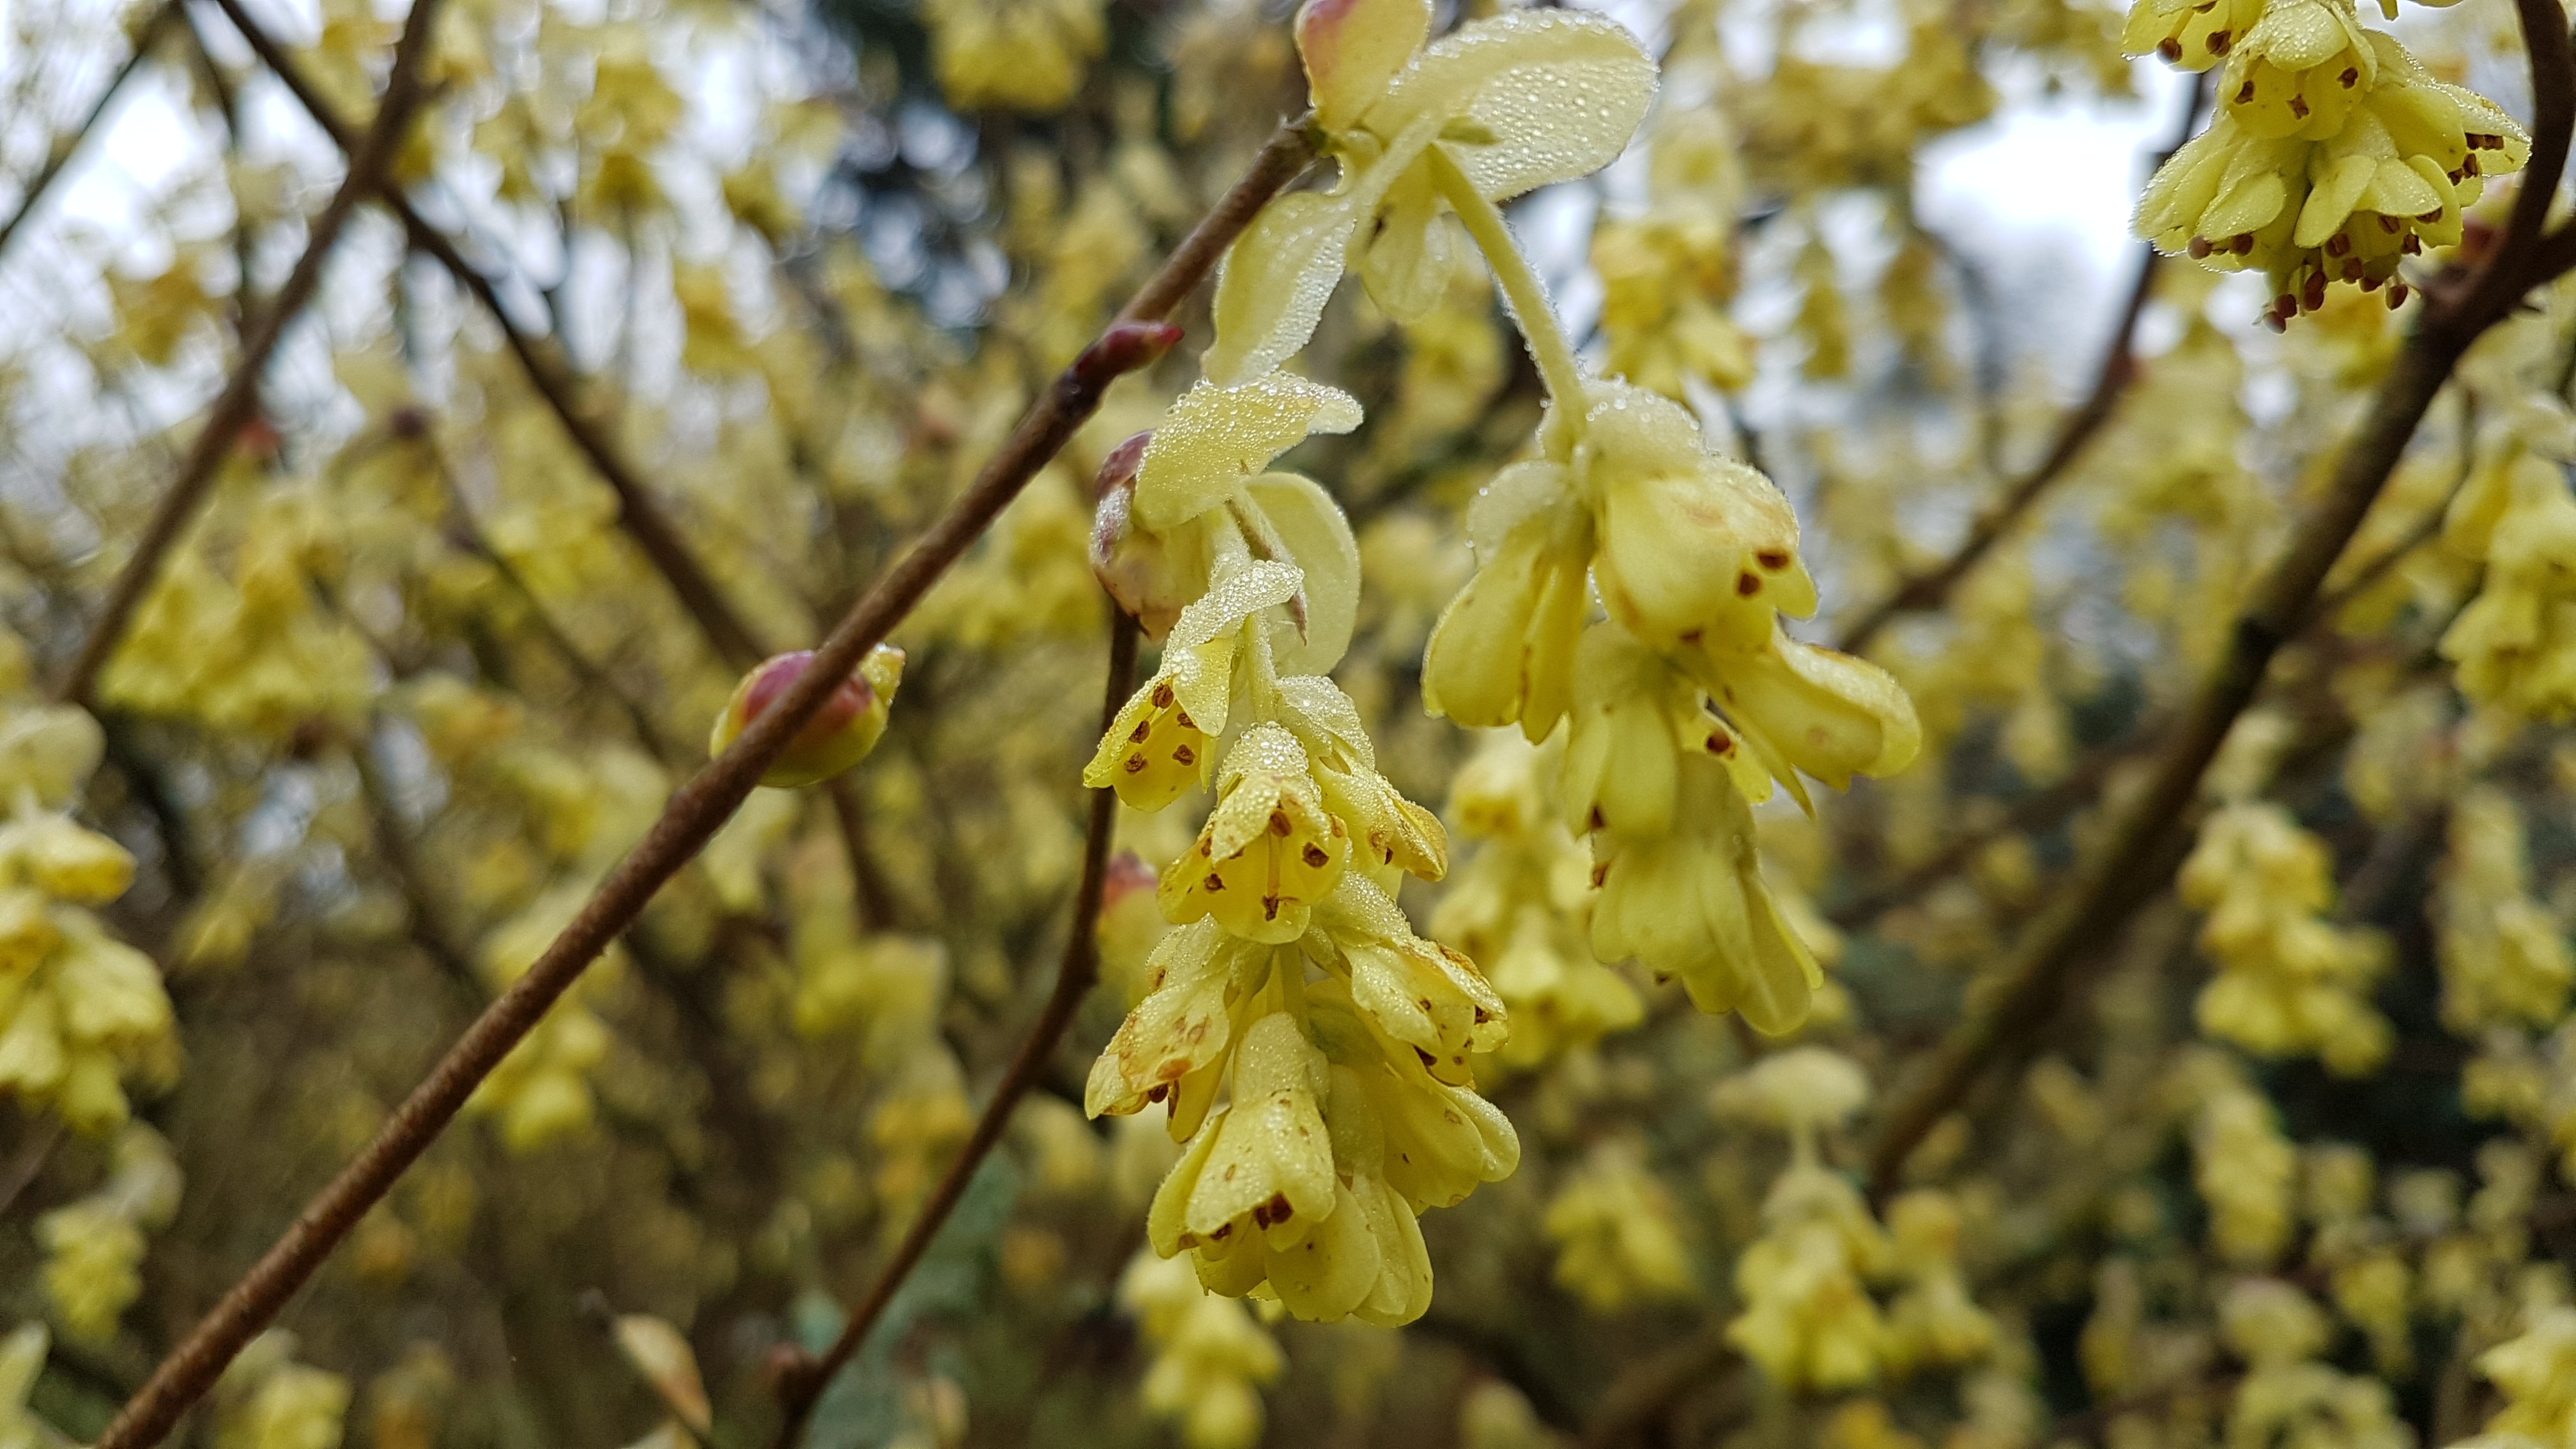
1125 347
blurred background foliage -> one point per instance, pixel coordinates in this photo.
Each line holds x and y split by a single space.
412 684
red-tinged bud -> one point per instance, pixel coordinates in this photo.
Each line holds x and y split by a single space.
1134 564
259 441
1126 347
839 735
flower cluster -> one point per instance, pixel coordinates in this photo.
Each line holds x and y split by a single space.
2290 982
1809 1319
2515 644
2289 1394
2334 155
1617 1239
1685 706
94 1244
2504 959
80 1012
1210 1357
1517 900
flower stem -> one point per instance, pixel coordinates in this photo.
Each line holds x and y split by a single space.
1527 295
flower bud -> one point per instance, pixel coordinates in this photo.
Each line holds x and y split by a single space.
1135 565
839 735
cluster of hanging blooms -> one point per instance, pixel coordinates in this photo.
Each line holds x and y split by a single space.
80 1012
2334 155
1617 1235
2515 644
1210 1357
94 1244
1809 1318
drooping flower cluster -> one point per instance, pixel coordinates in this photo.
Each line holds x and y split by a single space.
80 1012
1343 1041
1685 706
2504 959
2334 155
2515 644
2289 1394
94 1245
1617 1238
1210 1358
2290 982
1516 902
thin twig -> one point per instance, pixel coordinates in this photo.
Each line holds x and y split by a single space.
28 1163
2119 367
65 148
239 401
801 1386
697 810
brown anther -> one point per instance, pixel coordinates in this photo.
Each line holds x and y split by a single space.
1163 695
2338 244
2299 107
1315 857
2432 217
1747 585
2220 40
2352 269
1182 718
1596 820
2351 77
1183 754
1720 743
2414 246
1213 883
1427 1058
1270 908
1279 822
1158 1091
2199 247
2469 165
2313 295
1143 729
2390 224
1774 559
2245 94
2243 243
2170 49
2396 295
1135 763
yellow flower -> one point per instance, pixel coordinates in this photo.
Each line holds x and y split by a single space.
1161 741
1503 651
1269 850
1023 55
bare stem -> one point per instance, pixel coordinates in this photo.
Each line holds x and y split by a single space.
239 401
1520 284
803 1386
696 811
67 147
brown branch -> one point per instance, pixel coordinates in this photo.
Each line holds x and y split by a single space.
66 147
637 510
696 811
2119 367
235 406
1642 1391
802 1385
2023 996
2521 257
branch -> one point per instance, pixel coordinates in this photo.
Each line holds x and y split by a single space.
2521 257
802 1385
696 811
239 401
1926 591
637 511
2023 996
64 149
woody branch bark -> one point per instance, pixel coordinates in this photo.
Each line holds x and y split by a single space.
1926 591
238 403
2009 1007
802 1385
696 811
69 146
